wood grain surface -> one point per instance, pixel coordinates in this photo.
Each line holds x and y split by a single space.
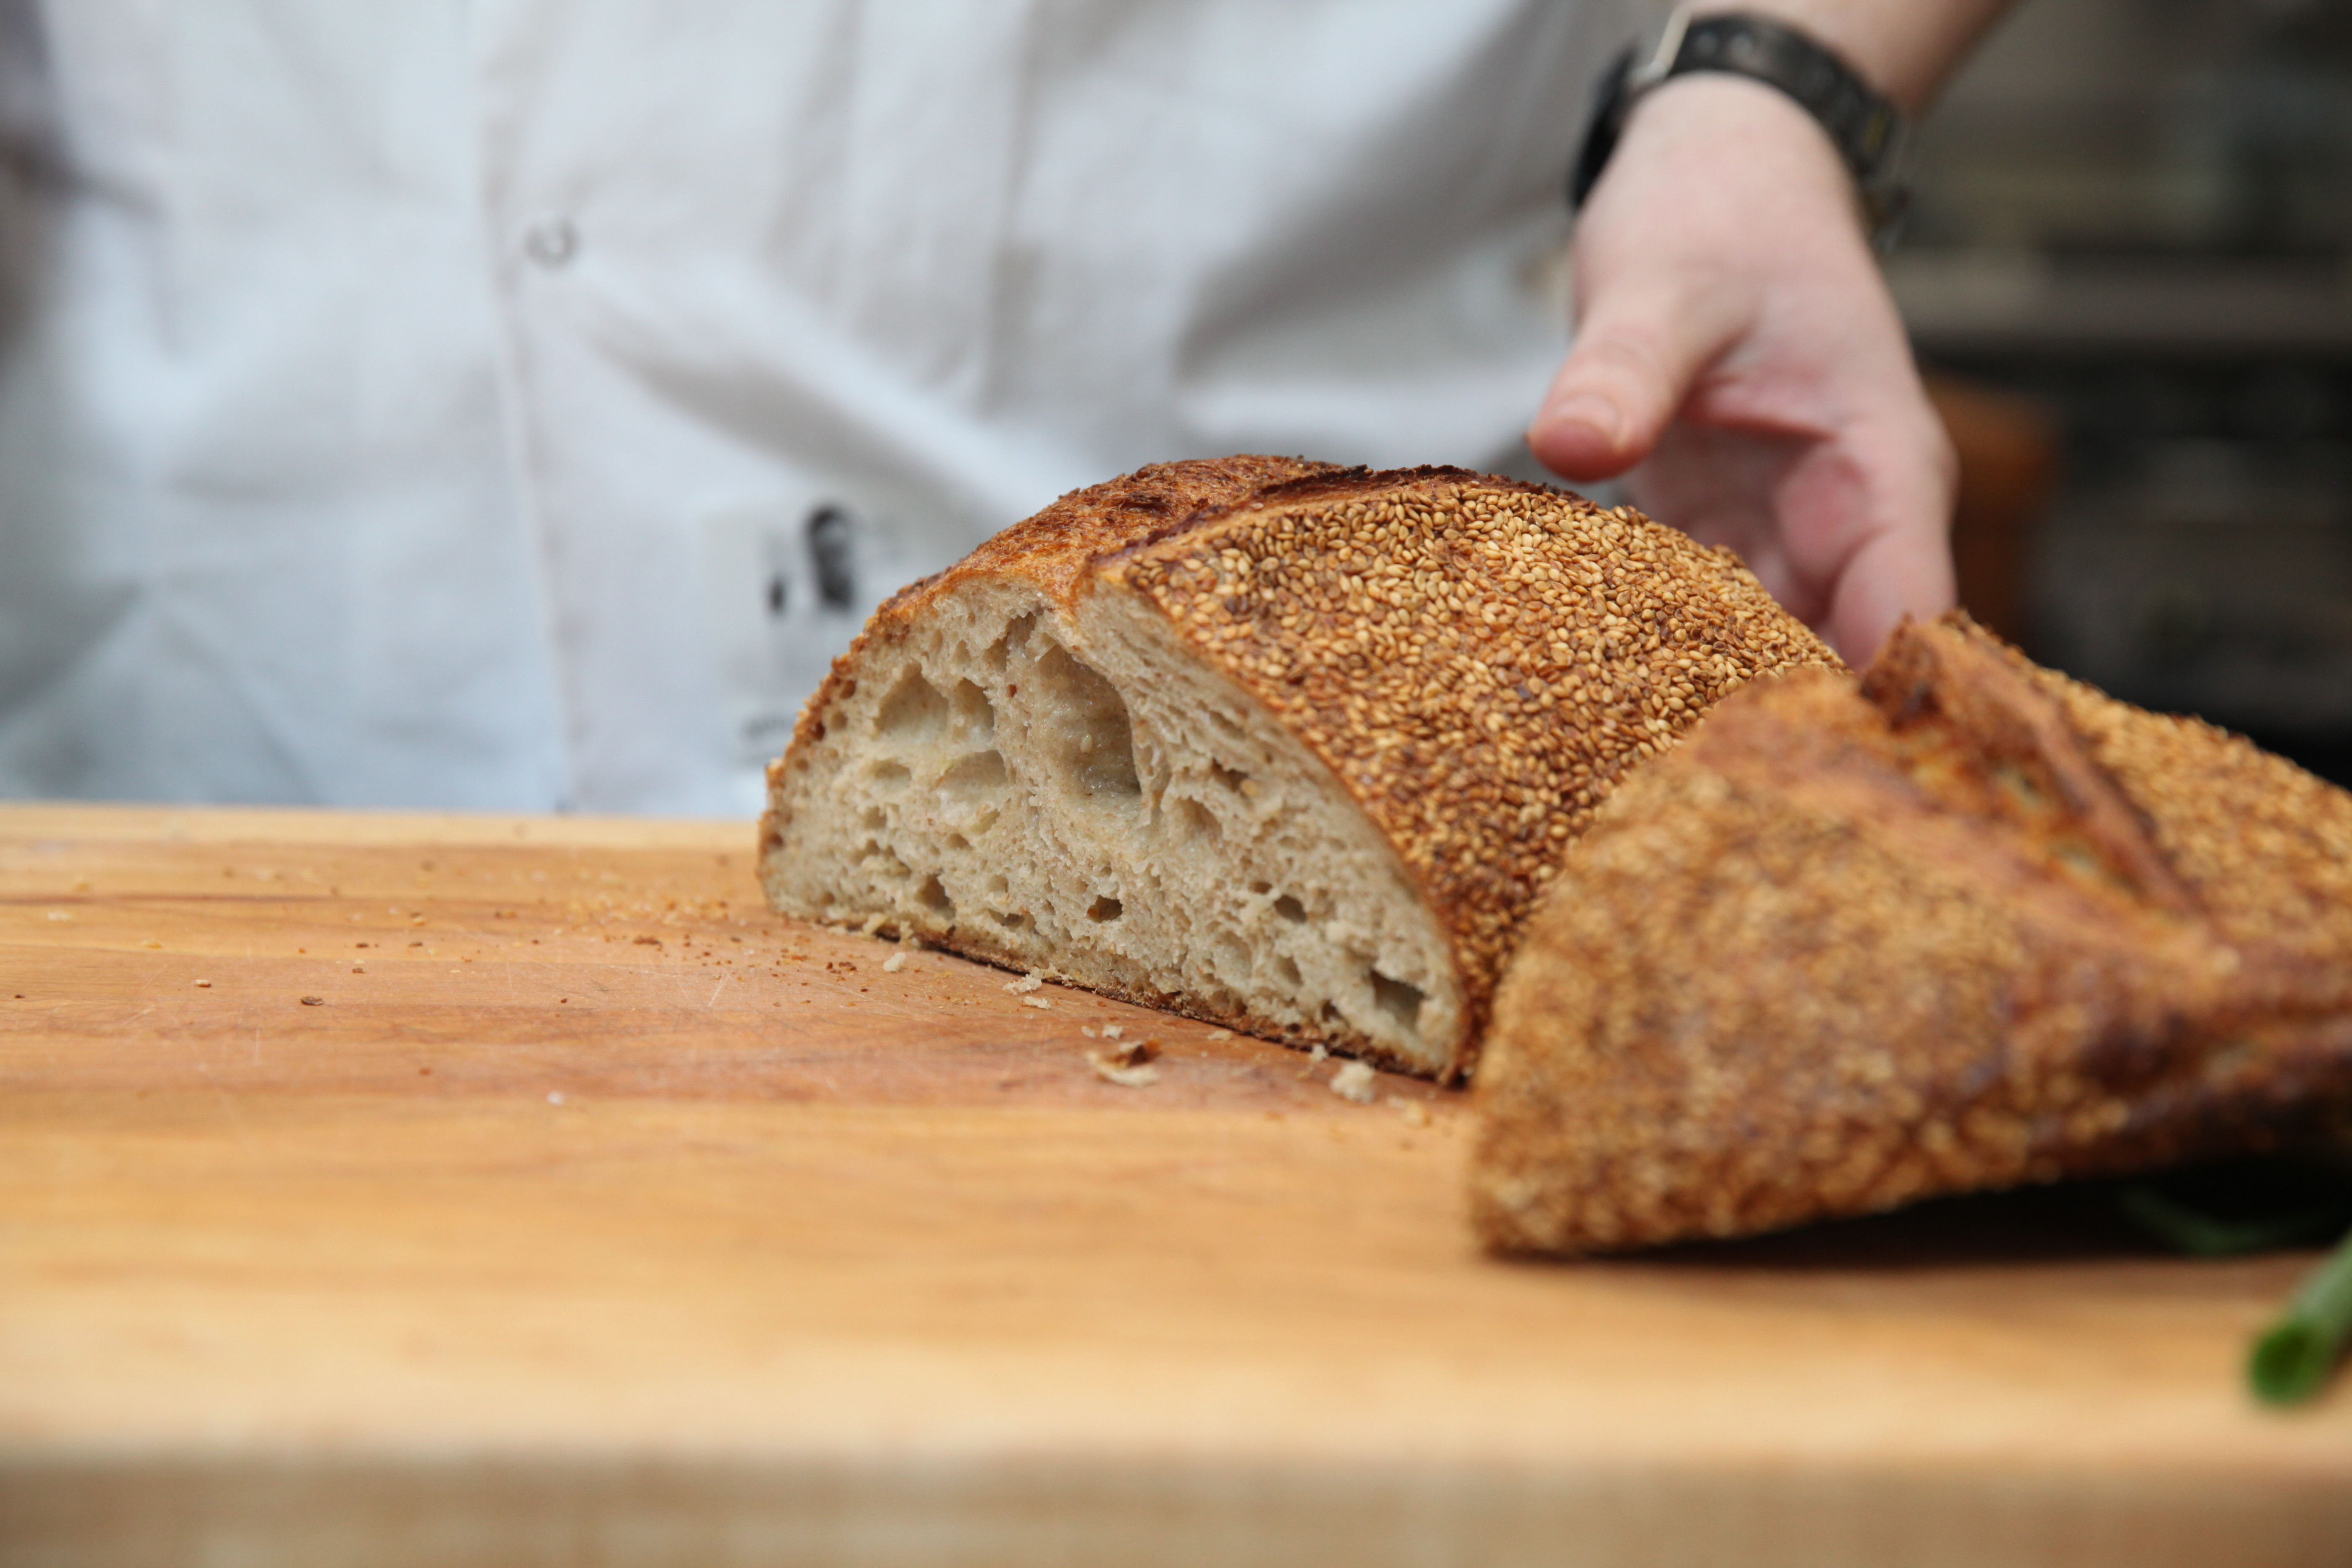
391 1190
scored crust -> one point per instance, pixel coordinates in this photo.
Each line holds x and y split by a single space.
1961 925
1422 681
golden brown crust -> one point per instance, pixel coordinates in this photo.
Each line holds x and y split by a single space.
1963 925
1479 660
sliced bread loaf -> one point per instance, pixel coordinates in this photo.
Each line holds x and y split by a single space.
1282 746
1961 924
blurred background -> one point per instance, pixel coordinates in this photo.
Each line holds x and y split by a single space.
2129 274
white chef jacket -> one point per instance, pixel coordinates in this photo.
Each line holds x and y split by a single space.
514 405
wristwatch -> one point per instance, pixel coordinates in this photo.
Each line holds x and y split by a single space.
1870 134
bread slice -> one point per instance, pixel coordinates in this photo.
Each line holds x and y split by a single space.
1278 745
1961 924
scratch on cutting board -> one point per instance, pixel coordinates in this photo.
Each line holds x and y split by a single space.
717 989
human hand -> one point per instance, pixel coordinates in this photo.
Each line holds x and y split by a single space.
1737 355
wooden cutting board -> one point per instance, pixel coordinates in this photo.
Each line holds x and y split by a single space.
463 1190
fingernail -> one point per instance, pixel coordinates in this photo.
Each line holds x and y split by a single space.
1592 410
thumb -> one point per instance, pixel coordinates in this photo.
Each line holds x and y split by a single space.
1636 356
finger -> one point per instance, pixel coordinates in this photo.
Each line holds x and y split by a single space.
1891 577
1637 352
1899 561
1876 534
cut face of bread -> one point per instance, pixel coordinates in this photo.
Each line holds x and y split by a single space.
1282 747
1130 820
1960 925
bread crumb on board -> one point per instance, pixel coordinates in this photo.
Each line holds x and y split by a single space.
1037 1001
1128 1065
1027 983
895 962
1221 1034
1415 1113
1113 1031
1355 1081
1132 1053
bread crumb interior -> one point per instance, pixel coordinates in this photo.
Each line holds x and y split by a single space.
1079 792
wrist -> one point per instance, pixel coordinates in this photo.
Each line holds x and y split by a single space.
1865 129
1709 130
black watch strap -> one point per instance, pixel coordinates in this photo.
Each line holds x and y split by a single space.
1869 131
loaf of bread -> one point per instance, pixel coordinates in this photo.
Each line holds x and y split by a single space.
1960 924
1282 746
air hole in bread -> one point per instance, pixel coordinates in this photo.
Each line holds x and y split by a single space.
1195 821
934 897
1104 909
1233 960
1287 968
1399 1000
914 709
1088 727
888 773
981 772
1291 909
1014 638
1232 779
974 715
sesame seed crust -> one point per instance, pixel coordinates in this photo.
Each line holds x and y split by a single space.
1962 924
1479 660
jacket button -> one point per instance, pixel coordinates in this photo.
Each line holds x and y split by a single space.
551 241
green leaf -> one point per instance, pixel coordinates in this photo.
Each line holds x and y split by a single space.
2293 1359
